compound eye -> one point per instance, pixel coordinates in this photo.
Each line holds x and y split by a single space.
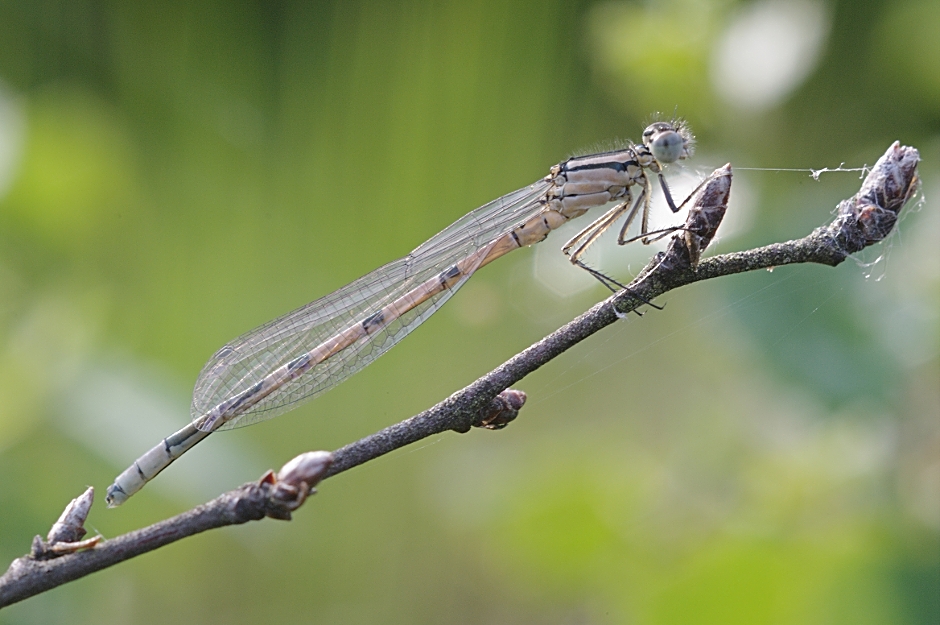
667 146
652 129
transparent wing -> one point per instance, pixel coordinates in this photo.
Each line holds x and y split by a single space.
247 360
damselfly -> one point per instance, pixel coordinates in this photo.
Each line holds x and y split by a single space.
275 367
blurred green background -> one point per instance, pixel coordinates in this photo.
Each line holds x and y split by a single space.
764 450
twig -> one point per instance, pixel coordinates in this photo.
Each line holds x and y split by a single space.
862 220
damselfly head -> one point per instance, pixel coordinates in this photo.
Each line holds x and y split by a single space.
668 141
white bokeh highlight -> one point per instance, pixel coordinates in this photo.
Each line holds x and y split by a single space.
12 136
767 51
